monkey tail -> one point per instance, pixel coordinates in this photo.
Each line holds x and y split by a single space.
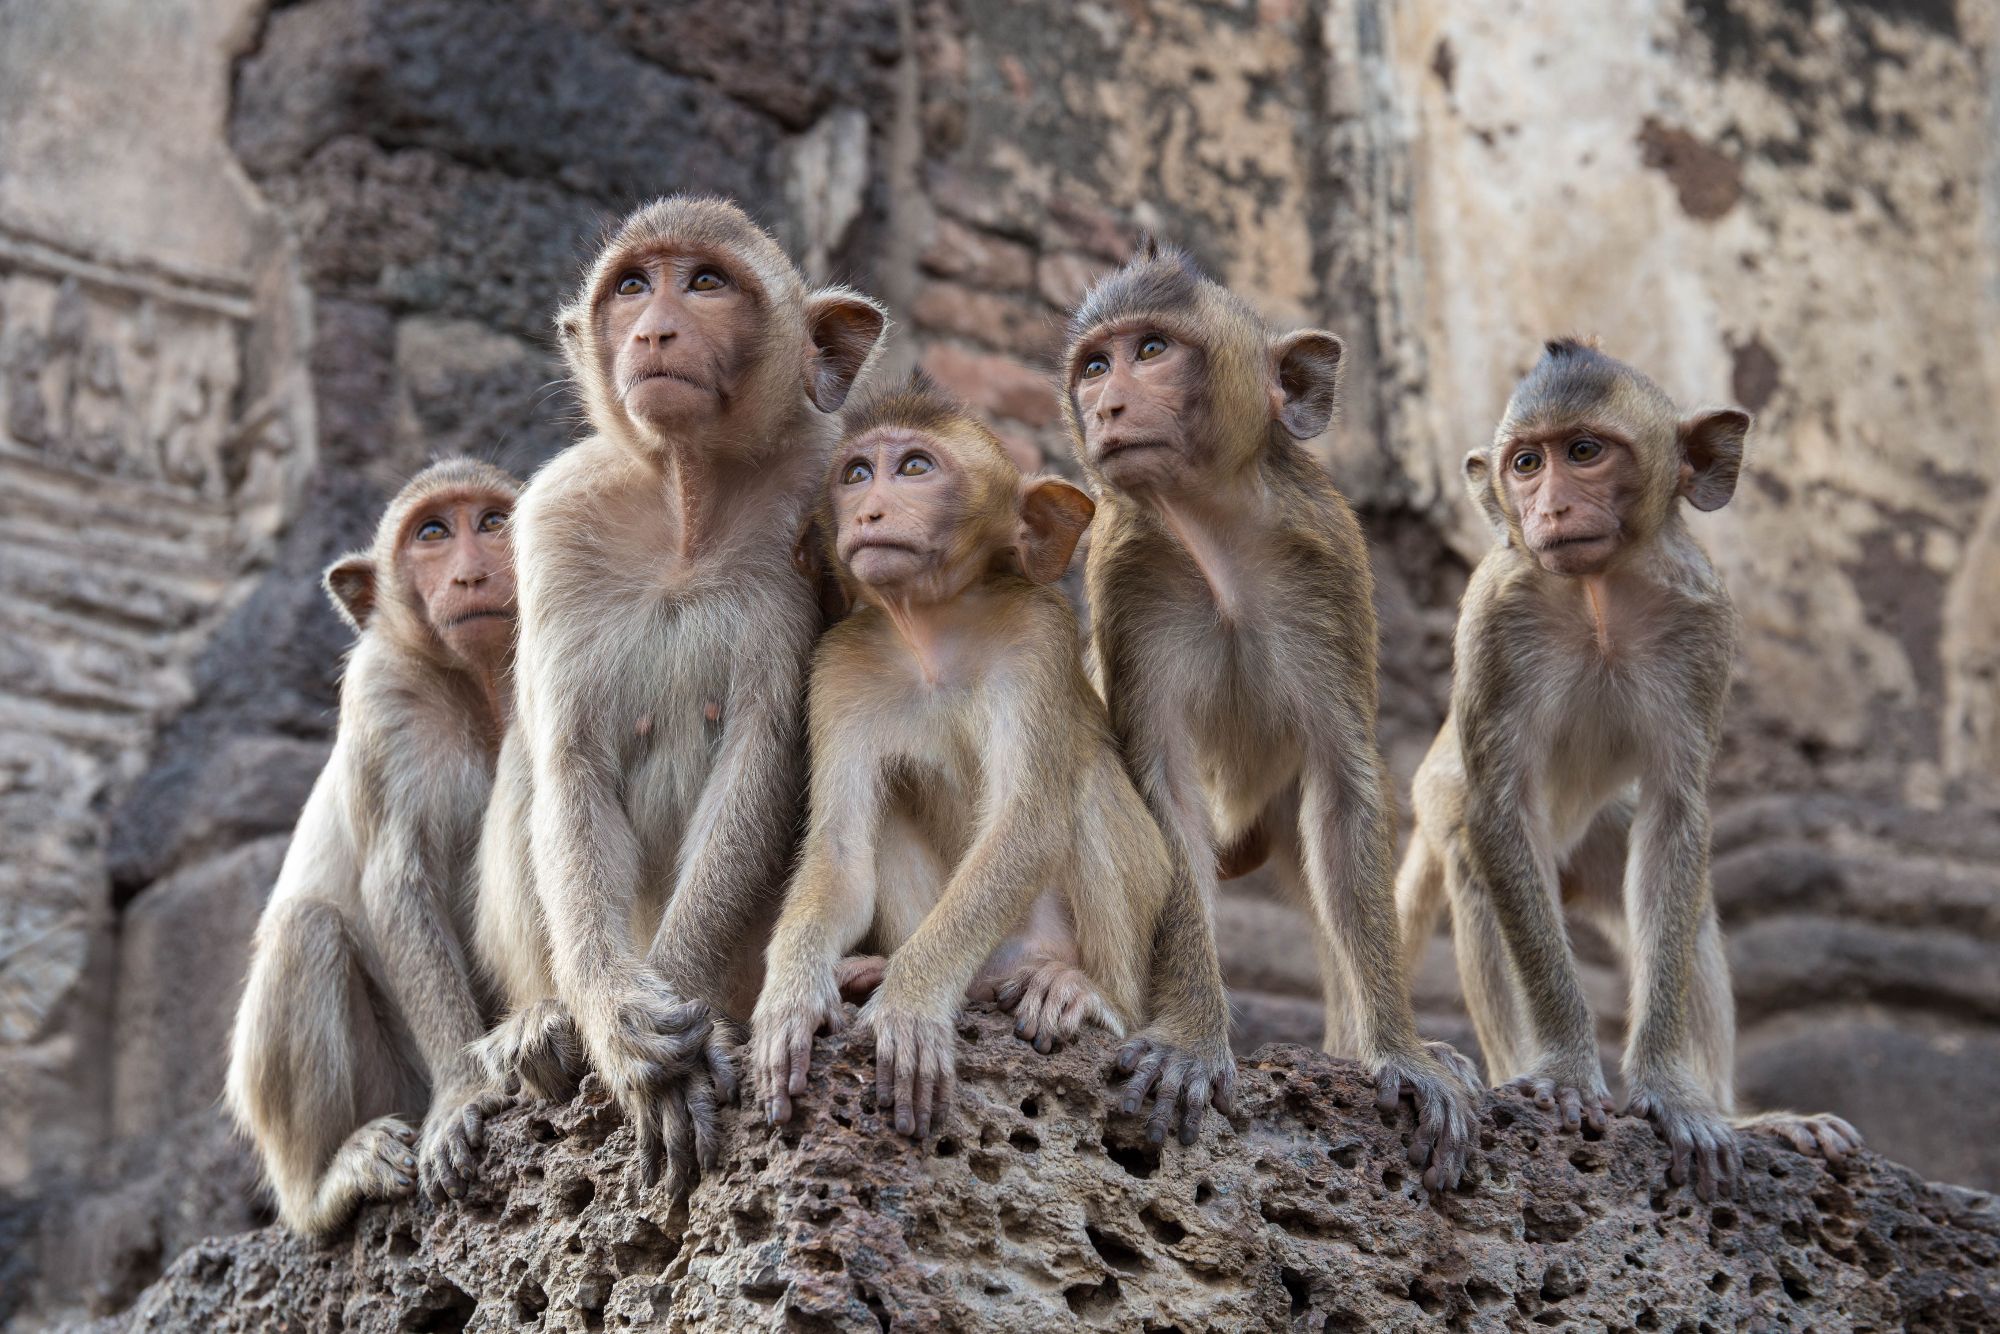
1419 896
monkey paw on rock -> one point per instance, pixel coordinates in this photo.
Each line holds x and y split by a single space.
1578 1096
669 1064
454 1133
916 1064
1701 1143
1815 1134
781 1042
1051 1001
535 1049
1184 1078
1435 1079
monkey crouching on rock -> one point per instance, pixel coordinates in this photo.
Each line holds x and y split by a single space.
1591 672
361 999
965 788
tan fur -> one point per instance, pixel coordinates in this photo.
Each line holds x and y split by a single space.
1234 636
360 1000
648 798
965 788
1573 771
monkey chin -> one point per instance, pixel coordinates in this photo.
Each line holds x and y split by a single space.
1139 464
482 639
886 567
667 404
1578 557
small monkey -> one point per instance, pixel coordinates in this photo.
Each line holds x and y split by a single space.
1233 632
361 1001
1592 667
961 767
647 798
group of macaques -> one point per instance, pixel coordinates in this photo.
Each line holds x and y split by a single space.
559 833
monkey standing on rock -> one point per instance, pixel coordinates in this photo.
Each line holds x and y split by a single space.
361 1001
961 767
647 798
1592 666
1234 636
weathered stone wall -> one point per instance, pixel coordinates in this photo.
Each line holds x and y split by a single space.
258 264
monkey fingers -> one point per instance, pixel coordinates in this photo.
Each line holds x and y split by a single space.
915 1068
1701 1144
1051 1001
1183 1081
1818 1135
1575 1104
1441 1142
781 1051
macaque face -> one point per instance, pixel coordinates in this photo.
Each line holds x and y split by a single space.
1575 491
1133 389
899 498
459 562
677 330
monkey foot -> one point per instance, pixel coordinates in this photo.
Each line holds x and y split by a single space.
916 1065
1700 1140
1446 1127
376 1162
1577 1100
1183 1078
1052 1001
454 1133
536 1050
1815 1134
1452 1059
670 1064
781 1045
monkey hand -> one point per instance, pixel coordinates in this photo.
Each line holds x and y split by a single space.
1577 1095
1700 1141
781 1042
1434 1078
1051 1001
669 1062
916 1065
535 1050
1816 1134
1184 1077
453 1135
858 975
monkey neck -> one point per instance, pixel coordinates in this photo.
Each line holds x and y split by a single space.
944 637
709 499
1210 528
1597 597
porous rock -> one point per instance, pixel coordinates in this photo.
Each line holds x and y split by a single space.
1034 1210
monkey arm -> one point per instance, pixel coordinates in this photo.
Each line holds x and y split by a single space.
732 871
1668 896
404 884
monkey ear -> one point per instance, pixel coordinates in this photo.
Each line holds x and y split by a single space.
1307 367
1053 517
350 582
844 327
1711 456
1480 483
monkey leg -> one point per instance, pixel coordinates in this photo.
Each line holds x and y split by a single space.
313 1076
1042 978
1345 831
1420 897
1484 978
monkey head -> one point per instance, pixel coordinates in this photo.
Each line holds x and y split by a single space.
1592 458
693 326
439 578
924 502
1170 379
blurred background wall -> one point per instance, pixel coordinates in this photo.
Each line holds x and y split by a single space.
258 263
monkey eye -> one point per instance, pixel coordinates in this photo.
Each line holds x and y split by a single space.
432 530
1151 346
1585 449
915 465
633 284
1096 365
492 521
1528 462
856 471
706 280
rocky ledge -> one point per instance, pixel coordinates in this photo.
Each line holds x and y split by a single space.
1034 1211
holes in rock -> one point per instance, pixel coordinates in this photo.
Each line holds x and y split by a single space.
1164 1229
947 1147
1114 1251
575 1195
1647 1318
1484 1294
969 1031
986 1166
1723 1217
1392 1181
1031 1106
753 1223
766 1285
1093 1299
1346 1154
1203 1191
1299 1223
876 1307
1025 1142
1141 1160
400 1242
445 1308
1297 1289
592 1292
1546 1221
1761 1284
1561 1281
1503 1115
1583 1160
530 1300
1795 1288
542 1130
1427 1298
1720 1283
645 1249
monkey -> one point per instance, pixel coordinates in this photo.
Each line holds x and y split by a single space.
964 785
647 800
361 1000
1233 635
1592 664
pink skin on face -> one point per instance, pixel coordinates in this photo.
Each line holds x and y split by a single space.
1573 493
460 562
1131 391
895 498
676 326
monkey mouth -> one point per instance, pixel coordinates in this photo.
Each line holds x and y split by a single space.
662 373
487 614
881 544
1578 540
1112 448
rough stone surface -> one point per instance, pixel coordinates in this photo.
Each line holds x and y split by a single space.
1031 1212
